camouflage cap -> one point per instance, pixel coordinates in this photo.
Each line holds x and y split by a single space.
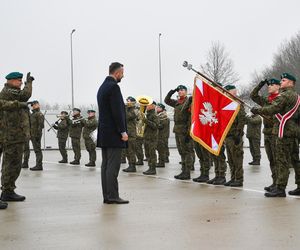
181 87
288 76
229 87
14 75
273 81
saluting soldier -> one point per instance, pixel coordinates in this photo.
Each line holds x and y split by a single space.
150 136
36 132
182 120
163 135
234 145
62 126
15 131
75 134
284 107
131 120
90 125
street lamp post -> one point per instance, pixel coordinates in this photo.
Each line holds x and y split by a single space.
159 55
72 78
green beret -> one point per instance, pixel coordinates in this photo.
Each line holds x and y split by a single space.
14 75
34 102
154 102
77 109
64 112
130 98
229 87
161 106
91 111
220 84
181 87
288 76
273 81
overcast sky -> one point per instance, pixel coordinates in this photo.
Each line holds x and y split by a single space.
35 36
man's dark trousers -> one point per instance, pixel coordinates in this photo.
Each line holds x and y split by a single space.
111 161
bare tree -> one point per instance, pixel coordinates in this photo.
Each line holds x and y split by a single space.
219 66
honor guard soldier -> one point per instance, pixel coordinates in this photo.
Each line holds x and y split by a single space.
15 131
90 125
75 134
234 145
63 126
182 120
284 107
131 119
163 135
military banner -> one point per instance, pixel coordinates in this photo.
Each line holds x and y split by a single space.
213 113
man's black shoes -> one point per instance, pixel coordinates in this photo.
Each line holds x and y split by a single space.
115 201
11 196
276 192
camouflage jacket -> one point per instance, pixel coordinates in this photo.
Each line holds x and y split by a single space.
152 123
182 114
9 105
264 102
283 103
253 127
36 123
131 119
15 124
90 125
76 127
63 128
164 125
237 127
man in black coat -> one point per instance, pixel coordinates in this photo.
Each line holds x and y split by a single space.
112 132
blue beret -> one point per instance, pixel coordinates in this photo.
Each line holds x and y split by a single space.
14 75
273 81
229 87
288 76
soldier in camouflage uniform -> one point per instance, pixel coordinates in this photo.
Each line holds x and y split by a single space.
36 132
26 154
203 156
139 150
151 136
131 119
163 134
75 134
234 145
182 120
269 138
285 104
9 106
90 125
15 131
62 126
254 136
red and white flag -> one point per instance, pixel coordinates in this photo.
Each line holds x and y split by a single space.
212 115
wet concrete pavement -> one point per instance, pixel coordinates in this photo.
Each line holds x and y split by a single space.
64 210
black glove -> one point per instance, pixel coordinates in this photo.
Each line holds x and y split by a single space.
255 110
262 83
56 122
187 139
29 78
171 92
177 89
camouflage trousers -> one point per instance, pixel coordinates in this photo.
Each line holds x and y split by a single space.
285 158
91 148
76 148
1 150
167 147
36 143
130 151
26 153
139 148
62 142
203 156
150 152
11 166
235 155
254 145
220 163
123 155
269 141
186 150
162 149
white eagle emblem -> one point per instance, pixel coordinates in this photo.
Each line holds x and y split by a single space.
208 116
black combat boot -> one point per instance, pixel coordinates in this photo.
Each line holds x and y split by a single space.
236 184
37 168
130 169
63 161
228 183
220 181
25 165
150 171
212 180
91 164
276 192
139 163
75 162
3 205
160 165
254 162
184 175
201 178
270 188
295 192
12 196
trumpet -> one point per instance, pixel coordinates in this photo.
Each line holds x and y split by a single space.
144 101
